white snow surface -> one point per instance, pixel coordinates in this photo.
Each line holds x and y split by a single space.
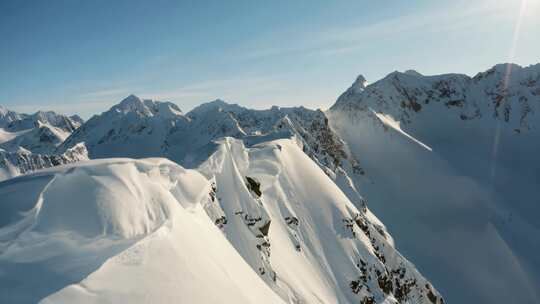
118 230
139 231
472 200
390 122
276 214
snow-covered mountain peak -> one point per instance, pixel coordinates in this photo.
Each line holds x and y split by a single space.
40 132
507 91
215 105
132 103
357 87
413 73
511 72
421 137
76 118
7 116
504 67
147 107
359 84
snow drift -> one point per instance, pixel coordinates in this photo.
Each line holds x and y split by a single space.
117 230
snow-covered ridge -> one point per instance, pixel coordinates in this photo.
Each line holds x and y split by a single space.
133 129
301 233
475 188
265 225
507 92
281 189
147 107
117 231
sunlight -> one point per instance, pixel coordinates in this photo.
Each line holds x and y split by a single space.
511 57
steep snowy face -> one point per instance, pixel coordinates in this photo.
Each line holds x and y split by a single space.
118 230
301 233
452 160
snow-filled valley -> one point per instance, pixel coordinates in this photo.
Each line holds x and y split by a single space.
408 190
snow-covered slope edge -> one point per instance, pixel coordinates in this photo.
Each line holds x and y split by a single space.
117 230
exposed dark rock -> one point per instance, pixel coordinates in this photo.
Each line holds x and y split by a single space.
221 222
265 228
253 185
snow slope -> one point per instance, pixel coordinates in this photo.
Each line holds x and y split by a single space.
261 225
472 199
117 230
301 233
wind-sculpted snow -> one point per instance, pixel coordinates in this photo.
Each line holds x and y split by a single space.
472 199
117 230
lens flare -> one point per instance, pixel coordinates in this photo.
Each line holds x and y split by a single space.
506 80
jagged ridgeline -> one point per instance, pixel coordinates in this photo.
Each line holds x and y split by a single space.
275 195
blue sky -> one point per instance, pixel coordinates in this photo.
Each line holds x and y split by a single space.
79 56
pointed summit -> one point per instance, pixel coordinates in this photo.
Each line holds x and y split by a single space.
131 101
413 73
134 104
359 84
215 105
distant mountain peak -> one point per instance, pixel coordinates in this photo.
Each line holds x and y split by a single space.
360 83
215 105
503 67
147 107
131 103
413 73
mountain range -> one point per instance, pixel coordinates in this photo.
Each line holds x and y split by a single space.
145 202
